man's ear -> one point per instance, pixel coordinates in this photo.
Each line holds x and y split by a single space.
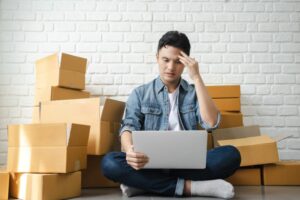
156 56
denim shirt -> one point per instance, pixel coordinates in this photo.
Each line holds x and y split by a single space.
147 108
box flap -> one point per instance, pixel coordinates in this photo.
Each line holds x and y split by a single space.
247 141
46 64
73 63
79 135
235 133
37 135
113 110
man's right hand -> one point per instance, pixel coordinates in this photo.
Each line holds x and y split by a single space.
135 159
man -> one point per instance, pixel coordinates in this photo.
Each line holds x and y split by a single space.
170 103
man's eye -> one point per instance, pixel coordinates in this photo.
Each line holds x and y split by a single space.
166 60
178 62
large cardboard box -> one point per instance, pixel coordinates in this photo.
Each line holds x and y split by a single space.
235 133
45 186
246 176
47 148
224 91
92 176
57 93
228 104
282 173
255 150
104 121
70 72
4 184
231 119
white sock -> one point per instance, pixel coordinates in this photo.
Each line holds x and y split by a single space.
214 188
131 191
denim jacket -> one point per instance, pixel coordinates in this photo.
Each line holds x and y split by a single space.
147 108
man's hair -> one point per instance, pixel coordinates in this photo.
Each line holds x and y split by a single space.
175 39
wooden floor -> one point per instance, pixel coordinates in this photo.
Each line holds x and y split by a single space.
242 192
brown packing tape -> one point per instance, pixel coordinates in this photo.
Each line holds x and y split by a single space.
282 173
4 184
246 177
92 177
45 186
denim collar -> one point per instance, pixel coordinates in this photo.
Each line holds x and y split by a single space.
159 85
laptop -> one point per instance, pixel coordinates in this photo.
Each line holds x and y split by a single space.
172 149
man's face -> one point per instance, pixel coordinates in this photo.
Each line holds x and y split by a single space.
170 68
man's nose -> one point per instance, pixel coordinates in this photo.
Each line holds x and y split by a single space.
171 65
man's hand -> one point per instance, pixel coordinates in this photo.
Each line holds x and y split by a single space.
191 64
135 159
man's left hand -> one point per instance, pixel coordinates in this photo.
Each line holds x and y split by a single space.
191 64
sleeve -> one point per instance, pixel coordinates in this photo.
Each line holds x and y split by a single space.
133 117
204 124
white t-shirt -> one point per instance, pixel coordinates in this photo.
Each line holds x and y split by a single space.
174 123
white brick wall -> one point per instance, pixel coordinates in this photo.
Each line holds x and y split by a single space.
252 43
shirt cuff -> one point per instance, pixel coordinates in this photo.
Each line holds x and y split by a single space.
207 127
126 128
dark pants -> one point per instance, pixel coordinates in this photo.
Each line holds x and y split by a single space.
221 163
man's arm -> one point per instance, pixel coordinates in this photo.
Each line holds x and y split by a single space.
208 110
132 121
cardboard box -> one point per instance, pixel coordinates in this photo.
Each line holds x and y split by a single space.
255 150
228 104
234 133
45 186
224 91
35 114
246 176
57 93
92 176
4 183
69 73
282 173
231 119
47 148
103 121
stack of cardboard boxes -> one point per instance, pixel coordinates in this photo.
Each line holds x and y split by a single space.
4 182
260 163
46 158
102 115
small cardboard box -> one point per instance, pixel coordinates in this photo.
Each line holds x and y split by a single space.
92 176
45 186
282 173
104 121
255 150
4 183
235 133
57 93
69 73
224 91
47 148
246 176
228 104
231 119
